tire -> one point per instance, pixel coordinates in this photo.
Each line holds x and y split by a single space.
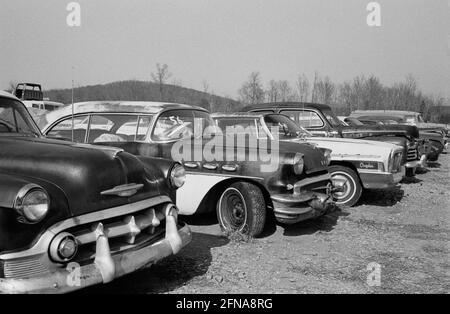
410 172
352 188
242 208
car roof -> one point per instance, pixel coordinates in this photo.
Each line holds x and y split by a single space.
236 115
384 112
380 117
8 95
147 107
292 105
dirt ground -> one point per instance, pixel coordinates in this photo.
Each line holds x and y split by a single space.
406 232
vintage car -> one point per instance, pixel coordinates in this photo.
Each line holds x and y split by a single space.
355 164
320 120
237 182
74 215
407 117
434 134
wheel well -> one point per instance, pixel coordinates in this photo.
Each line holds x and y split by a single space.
344 164
348 165
208 203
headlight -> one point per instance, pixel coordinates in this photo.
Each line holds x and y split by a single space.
32 203
390 163
298 164
177 176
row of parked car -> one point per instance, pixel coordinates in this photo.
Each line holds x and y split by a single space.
99 186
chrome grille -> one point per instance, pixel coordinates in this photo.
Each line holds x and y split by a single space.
412 153
123 232
24 268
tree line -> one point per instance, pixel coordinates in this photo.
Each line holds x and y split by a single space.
360 93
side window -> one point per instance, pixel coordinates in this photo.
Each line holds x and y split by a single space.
112 128
174 125
64 129
304 118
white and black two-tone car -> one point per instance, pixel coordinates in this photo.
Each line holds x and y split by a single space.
235 184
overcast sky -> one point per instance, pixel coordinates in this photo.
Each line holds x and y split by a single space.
222 41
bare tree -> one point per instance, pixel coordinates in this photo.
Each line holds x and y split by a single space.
177 82
324 90
208 95
11 87
302 85
252 91
314 92
285 91
272 91
205 86
161 77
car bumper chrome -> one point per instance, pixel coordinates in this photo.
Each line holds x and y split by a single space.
412 164
303 203
104 269
383 180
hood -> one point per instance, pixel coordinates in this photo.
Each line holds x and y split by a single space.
362 131
313 156
82 172
432 136
353 147
431 126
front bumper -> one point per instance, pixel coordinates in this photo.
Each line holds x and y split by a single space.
62 281
412 164
381 180
303 204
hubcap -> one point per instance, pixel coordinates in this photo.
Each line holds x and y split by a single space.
233 211
346 189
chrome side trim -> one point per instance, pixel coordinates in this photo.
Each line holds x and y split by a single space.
230 168
224 175
191 165
125 190
42 245
309 181
210 166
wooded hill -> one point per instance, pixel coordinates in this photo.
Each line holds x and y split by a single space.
143 91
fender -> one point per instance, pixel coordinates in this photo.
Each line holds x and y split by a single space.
10 186
197 186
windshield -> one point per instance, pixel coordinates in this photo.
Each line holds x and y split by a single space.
285 127
332 118
353 121
181 124
15 119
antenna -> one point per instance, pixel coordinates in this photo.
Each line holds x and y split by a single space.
73 110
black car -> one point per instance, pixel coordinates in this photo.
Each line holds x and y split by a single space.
434 140
76 215
243 190
320 120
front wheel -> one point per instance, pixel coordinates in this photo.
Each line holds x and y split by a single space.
348 180
242 208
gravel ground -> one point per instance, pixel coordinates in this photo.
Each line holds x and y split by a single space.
405 231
